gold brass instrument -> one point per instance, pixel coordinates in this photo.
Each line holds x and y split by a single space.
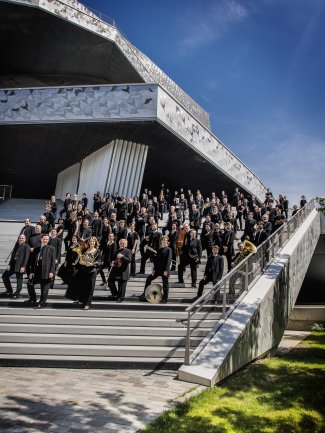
249 248
154 293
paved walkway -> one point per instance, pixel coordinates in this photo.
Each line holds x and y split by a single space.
71 400
58 400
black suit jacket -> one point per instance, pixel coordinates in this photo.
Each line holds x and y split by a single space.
260 237
48 261
19 257
163 261
214 268
28 231
57 244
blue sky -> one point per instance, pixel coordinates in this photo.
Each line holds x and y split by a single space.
256 66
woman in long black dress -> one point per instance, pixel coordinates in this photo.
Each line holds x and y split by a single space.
82 285
68 268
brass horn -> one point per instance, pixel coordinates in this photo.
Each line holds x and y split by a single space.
154 293
249 247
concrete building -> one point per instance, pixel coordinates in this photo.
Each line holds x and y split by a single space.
82 109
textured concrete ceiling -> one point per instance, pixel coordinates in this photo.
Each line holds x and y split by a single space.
40 49
32 156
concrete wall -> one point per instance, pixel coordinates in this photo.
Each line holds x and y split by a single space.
258 323
303 317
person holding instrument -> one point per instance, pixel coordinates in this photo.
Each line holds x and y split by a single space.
82 285
120 271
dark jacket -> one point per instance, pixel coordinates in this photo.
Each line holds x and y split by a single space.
28 231
57 244
48 261
19 257
260 237
163 261
193 248
214 268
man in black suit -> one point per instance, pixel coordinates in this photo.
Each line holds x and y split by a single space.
190 255
120 271
27 230
85 232
228 238
161 268
97 226
17 265
213 271
260 235
56 242
153 243
42 271
249 229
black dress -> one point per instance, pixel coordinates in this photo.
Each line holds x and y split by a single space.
68 269
82 285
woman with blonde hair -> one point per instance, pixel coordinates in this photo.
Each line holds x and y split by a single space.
82 285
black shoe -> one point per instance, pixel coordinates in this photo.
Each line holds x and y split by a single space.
103 283
39 306
140 273
194 286
112 298
142 298
132 275
164 301
119 299
180 282
30 301
6 294
16 295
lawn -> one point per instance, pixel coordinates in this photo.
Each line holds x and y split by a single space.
279 395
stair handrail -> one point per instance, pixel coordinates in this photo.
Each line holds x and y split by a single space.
245 270
5 192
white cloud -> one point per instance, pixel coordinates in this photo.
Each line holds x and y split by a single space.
208 24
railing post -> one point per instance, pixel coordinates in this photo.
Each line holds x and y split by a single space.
280 238
246 275
188 339
224 301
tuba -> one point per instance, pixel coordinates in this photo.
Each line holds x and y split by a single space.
154 293
250 248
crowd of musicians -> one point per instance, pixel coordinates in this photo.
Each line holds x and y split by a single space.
104 240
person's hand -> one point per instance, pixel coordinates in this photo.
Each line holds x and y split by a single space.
51 275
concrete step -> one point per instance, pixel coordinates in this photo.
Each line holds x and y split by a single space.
84 361
98 330
104 340
87 320
92 350
120 313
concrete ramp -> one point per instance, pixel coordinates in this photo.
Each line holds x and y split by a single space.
257 325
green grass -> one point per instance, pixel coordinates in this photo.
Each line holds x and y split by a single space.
279 395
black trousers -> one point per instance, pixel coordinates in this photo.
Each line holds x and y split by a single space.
6 280
121 287
45 287
202 283
185 260
165 282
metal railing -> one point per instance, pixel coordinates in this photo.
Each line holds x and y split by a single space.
228 292
5 191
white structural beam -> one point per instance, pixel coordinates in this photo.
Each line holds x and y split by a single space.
116 167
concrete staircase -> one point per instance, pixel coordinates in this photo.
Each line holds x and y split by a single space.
129 334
